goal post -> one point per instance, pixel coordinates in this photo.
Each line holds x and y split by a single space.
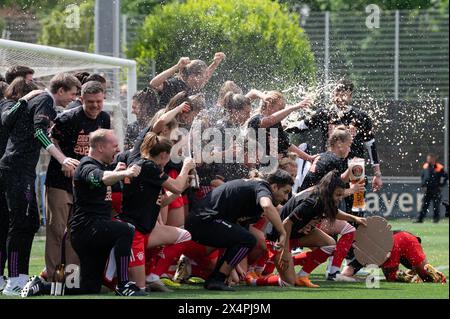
47 61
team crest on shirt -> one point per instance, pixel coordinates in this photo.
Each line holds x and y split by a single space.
140 256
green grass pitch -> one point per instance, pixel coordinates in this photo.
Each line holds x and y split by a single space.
435 240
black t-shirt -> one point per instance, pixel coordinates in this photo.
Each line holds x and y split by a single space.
140 197
23 148
235 201
302 209
4 104
92 198
283 138
71 130
235 170
172 87
327 162
358 121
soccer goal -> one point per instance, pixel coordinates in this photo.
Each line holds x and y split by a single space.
47 61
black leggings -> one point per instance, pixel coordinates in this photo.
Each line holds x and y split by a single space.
93 246
23 218
219 233
4 226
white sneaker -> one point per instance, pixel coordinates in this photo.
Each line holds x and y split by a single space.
342 278
15 285
3 281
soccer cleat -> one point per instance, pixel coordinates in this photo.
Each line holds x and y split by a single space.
195 280
217 285
435 275
305 282
130 290
35 287
183 271
14 286
337 276
169 282
3 281
157 286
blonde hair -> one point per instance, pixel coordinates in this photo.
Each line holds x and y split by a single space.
272 98
340 134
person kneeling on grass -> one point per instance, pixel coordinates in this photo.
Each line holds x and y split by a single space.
222 219
407 251
142 204
93 234
302 214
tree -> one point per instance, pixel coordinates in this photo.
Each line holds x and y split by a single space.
349 5
56 32
264 44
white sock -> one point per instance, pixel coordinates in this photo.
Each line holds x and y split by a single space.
183 235
152 278
302 273
330 261
334 269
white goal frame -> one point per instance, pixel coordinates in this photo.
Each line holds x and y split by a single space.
89 60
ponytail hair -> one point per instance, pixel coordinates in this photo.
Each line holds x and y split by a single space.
153 145
235 102
195 67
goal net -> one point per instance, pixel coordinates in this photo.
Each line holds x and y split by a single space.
47 61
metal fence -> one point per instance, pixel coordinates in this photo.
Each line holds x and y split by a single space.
404 58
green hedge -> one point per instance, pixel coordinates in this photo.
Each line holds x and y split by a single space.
264 44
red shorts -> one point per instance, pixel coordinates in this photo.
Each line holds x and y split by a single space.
116 202
138 248
260 223
180 201
406 248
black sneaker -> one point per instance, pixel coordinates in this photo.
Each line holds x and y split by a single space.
130 290
35 287
332 277
217 285
418 221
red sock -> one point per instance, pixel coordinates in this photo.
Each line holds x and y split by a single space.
169 257
342 247
300 259
270 280
151 259
317 257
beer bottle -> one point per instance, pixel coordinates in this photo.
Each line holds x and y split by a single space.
59 280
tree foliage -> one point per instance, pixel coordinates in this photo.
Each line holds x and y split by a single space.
264 44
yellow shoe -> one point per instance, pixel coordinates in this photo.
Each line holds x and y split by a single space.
195 280
305 282
435 275
170 283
